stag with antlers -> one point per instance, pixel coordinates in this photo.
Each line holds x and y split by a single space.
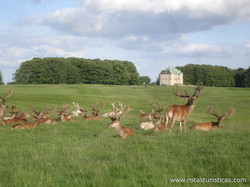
212 125
115 117
78 111
95 113
180 113
64 114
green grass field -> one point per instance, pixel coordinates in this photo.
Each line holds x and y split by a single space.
85 153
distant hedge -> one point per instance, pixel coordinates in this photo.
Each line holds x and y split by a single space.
76 71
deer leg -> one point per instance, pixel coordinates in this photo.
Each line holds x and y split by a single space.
184 124
171 126
180 127
166 121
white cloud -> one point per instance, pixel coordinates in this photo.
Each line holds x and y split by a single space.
157 19
204 49
247 45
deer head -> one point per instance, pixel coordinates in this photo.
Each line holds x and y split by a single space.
119 112
95 108
191 99
220 118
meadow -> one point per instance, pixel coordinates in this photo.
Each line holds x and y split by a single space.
88 153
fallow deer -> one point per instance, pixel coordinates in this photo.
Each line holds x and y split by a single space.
212 125
115 117
149 123
180 113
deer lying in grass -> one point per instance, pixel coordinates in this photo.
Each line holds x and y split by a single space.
43 116
17 114
95 113
9 120
180 113
149 117
115 117
64 114
25 125
212 125
78 111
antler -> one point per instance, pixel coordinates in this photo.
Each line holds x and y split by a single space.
177 93
232 110
3 100
158 107
211 112
198 90
76 105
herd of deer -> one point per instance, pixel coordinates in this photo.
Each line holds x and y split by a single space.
155 119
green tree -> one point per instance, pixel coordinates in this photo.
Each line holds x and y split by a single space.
76 70
1 79
145 79
246 81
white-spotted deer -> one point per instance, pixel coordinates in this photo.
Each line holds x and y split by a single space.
9 120
115 117
212 125
180 113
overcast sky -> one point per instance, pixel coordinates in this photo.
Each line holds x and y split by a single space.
152 34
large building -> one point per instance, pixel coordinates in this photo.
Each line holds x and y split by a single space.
171 76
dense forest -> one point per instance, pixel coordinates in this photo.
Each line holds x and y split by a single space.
219 76
77 71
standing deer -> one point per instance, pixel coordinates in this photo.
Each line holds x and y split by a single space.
180 113
212 125
115 117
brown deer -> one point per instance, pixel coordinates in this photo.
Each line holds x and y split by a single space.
212 125
159 124
115 117
64 114
25 125
18 114
9 120
180 113
95 113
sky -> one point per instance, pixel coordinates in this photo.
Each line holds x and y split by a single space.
153 34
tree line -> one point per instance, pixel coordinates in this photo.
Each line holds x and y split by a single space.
218 76
77 71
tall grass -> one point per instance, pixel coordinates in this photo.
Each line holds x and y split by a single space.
85 153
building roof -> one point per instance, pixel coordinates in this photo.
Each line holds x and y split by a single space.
171 69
